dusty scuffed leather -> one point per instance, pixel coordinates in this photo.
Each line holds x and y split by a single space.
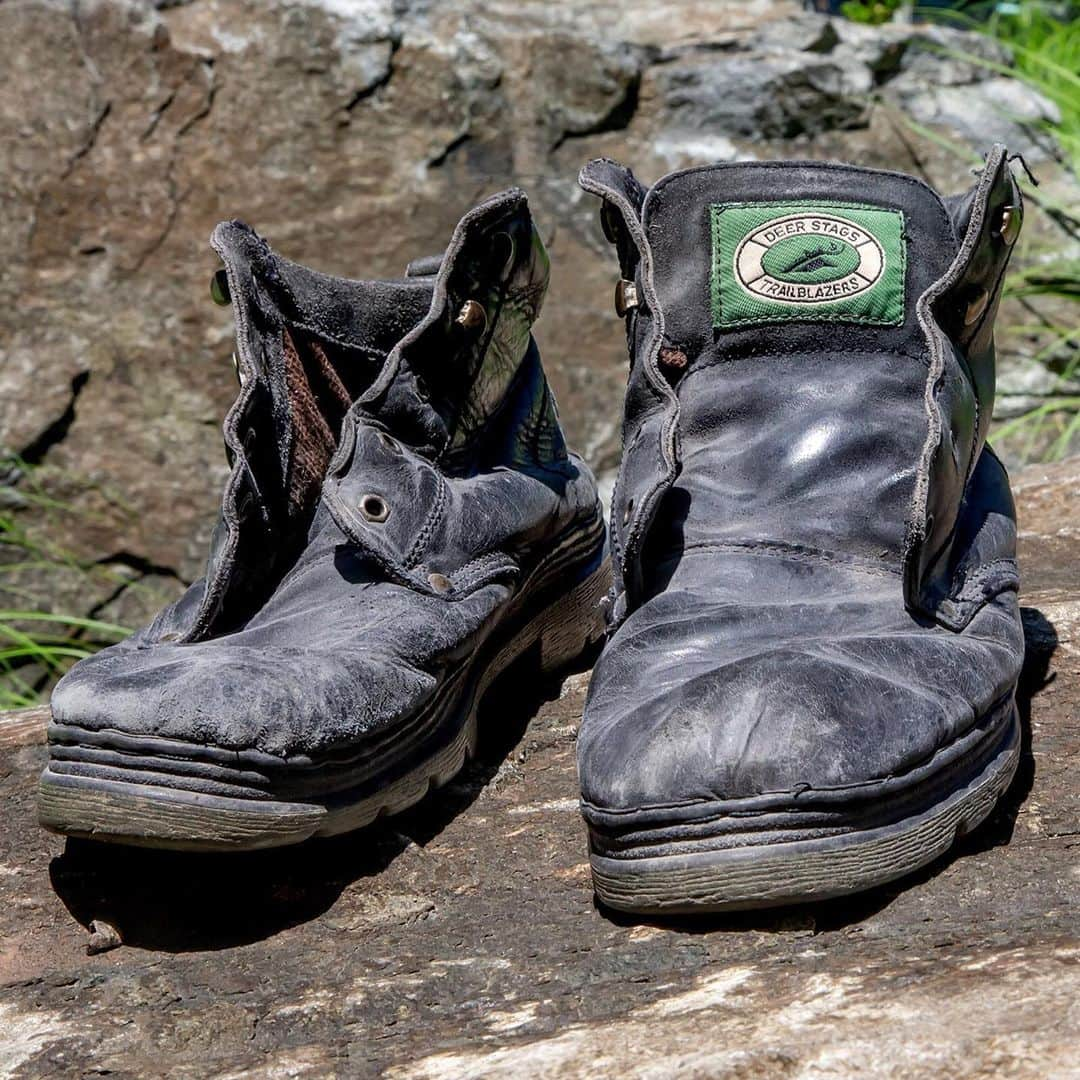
316 626
814 552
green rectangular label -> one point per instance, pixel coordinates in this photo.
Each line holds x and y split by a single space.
807 261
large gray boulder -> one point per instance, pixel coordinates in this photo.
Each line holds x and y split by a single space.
352 135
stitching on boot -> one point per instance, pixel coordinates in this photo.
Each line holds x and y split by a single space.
419 545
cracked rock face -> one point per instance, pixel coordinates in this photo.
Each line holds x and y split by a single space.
353 135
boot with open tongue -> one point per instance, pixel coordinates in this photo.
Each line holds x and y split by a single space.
815 640
402 522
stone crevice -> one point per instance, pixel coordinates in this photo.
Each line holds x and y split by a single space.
372 88
144 569
176 197
212 87
90 141
449 149
35 451
143 566
155 117
618 118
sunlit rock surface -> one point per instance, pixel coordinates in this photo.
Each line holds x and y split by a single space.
461 940
353 135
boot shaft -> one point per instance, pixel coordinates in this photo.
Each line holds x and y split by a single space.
442 359
812 362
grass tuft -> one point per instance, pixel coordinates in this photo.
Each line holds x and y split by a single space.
37 647
1043 41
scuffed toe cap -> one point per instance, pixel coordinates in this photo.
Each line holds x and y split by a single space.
706 699
281 701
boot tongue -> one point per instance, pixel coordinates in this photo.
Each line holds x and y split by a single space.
308 346
271 293
792 290
447 382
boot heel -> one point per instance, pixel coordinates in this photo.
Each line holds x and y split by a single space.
574 626
561 637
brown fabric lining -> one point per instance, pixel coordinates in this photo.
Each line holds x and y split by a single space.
319 399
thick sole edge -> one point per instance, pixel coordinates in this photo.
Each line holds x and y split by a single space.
804 871
141 816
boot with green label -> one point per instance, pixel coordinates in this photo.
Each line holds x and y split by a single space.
809 685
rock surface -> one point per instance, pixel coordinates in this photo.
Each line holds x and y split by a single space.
461 939
353 133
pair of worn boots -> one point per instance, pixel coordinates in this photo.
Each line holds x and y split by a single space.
812 639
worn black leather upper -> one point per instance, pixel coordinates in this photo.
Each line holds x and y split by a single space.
398 479
814 551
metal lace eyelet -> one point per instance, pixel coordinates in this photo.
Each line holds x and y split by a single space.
472 316
626 297
244 507
388 442
374 508
171 636
1008 226
440 583
628 512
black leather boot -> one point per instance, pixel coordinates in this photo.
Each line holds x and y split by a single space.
402 522
815 641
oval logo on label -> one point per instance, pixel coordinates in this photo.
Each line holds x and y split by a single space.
808 258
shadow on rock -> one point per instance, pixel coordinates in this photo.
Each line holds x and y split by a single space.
1040 641
180 902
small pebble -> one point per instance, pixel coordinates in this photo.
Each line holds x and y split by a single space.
103 937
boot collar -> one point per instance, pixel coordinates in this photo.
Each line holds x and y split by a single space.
671 257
